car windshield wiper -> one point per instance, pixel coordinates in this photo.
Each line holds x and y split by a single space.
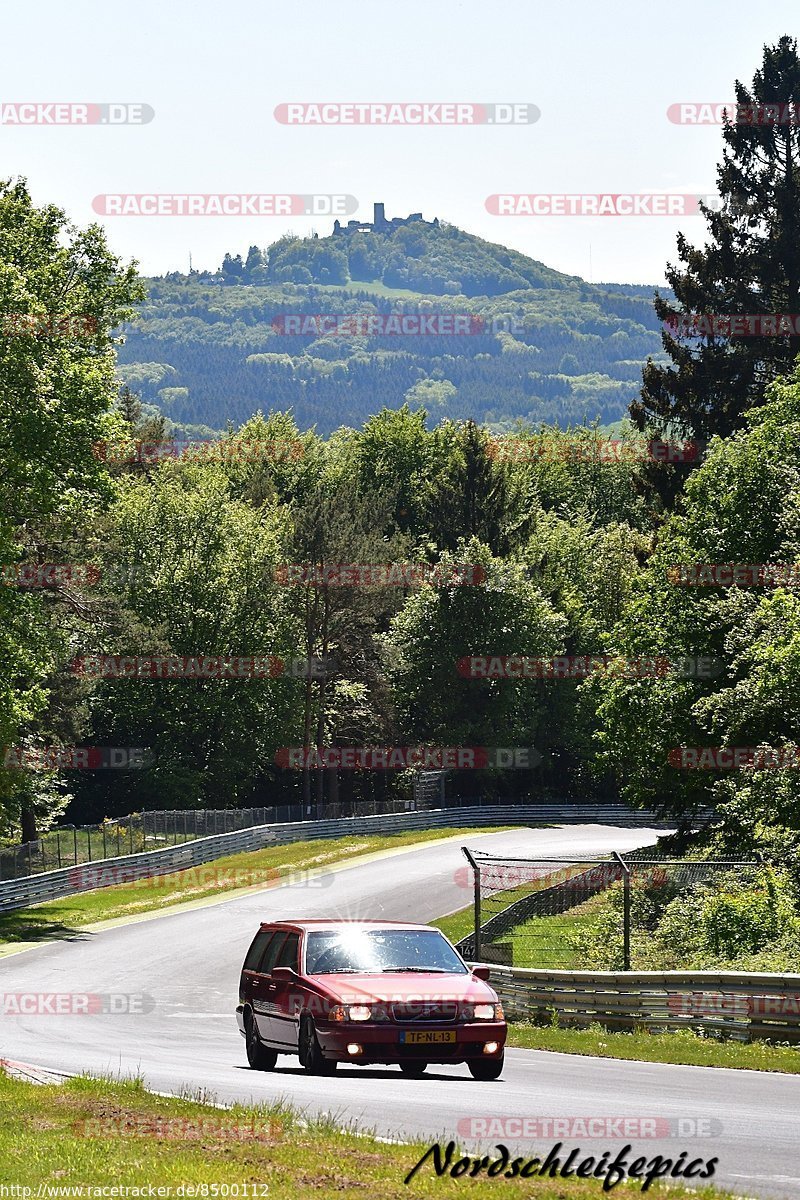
418 970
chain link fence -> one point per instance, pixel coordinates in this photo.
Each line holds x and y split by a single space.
635 910
71 845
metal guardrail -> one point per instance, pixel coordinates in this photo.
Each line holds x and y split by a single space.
738 1005
69 881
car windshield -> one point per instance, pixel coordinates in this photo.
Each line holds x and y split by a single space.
378 951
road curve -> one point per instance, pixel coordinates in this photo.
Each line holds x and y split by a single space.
188 962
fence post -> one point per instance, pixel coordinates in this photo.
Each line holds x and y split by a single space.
476 877
75 842
58 845
626 912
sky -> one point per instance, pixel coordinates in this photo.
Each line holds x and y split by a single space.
602 77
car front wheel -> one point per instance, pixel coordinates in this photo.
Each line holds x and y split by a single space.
259 1056
310 1051
415 1069
486 1068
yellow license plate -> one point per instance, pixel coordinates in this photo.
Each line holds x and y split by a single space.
424 1037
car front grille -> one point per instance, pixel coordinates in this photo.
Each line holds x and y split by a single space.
425 1012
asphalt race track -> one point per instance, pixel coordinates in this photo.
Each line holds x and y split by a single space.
189 964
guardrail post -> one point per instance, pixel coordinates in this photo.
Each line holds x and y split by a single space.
626 912
476 876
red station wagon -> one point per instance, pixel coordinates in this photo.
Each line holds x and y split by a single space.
366 992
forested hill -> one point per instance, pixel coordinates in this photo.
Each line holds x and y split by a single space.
542 346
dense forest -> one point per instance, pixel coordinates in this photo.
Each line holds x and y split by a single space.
211 348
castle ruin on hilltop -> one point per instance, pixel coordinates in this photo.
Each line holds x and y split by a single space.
380 224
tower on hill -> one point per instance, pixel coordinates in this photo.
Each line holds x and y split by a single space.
380 224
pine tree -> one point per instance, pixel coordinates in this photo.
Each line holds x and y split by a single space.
750 264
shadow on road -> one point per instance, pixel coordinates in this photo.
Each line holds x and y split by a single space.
33 927
388 1072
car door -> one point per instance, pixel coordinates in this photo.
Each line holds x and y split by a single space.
262 1002
283 996
252 963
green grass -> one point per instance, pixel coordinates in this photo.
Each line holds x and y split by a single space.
539 941
96 1132
547 941
683 1046
376 288
254 868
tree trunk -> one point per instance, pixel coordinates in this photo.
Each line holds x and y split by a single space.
28 822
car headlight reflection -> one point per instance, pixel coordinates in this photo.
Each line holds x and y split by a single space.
358 1012
486 1012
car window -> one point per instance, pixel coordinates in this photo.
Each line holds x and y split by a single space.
256 951
377 951
273 949
288 954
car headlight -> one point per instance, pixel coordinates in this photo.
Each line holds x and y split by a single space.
356 1012
359 1012
487 1012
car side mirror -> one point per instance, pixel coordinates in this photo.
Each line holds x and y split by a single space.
481 971
283 973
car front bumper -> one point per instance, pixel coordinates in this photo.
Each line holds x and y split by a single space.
385 1043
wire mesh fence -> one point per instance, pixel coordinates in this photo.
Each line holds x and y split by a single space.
71 845
635 910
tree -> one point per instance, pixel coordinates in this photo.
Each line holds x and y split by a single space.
334 525
196 570
443 623
751 264
742 506
255 258
63 295
468 493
